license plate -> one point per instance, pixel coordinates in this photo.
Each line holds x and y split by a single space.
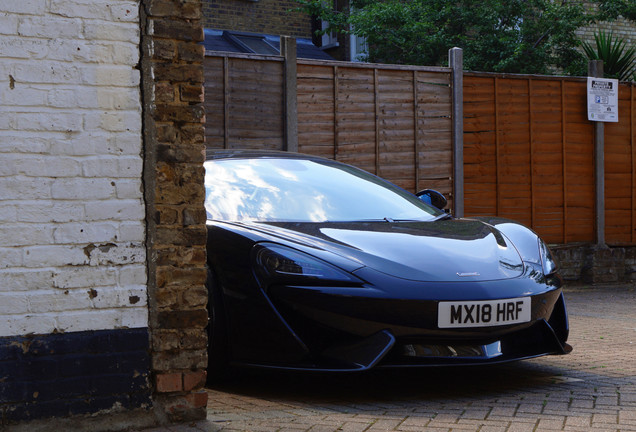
484 313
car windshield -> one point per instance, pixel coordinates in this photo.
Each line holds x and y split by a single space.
300 190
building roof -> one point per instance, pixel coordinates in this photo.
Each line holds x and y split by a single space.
242 42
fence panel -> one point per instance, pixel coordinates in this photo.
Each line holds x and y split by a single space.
434 132
244 102
355 118
316 96
529 156
546 138
390 120
578 154
528 153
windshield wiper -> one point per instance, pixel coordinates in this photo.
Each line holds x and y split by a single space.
443 216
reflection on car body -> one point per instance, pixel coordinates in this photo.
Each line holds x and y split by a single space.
317 265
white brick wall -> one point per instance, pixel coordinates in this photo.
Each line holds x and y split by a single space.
72 230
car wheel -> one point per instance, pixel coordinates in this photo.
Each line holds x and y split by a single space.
218 368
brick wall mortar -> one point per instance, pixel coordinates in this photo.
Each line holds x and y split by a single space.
172 82
72 232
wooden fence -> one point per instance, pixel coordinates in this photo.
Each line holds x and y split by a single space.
394 121
529 156
244 101
528 146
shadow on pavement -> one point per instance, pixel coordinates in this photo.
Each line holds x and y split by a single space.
419 384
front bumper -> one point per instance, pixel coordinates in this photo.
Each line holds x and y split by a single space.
349 333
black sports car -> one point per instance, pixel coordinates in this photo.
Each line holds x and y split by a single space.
314 264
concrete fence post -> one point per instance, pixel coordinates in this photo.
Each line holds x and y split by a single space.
595 69
456 62
288 51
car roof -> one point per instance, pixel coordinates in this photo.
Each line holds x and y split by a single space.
214 154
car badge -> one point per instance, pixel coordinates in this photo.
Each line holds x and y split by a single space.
469 274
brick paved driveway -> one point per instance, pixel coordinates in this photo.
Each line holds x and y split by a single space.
593 388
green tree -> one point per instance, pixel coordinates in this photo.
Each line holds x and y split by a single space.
612 9
518 36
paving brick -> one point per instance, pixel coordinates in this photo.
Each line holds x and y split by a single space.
550 424
521 427
472 413
604 419
580 421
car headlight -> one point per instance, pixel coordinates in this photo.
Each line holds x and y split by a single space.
548 262
281 264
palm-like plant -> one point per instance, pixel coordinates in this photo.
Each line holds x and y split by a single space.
619 59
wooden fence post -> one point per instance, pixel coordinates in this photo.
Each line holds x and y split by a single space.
595 69
288 50
456 62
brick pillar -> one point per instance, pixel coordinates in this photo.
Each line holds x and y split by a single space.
172 83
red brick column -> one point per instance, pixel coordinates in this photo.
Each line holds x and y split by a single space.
172 74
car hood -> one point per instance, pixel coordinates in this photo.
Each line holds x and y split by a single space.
442 251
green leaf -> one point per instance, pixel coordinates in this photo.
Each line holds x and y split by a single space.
619 60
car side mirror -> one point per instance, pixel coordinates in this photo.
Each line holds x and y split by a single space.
433 197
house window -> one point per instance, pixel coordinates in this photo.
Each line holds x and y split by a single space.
329 40
251 43
358 48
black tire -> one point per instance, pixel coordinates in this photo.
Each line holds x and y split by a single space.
218 368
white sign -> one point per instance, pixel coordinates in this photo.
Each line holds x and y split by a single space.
602 99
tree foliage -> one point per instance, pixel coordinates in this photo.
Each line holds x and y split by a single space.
619 59
612 9
519 36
